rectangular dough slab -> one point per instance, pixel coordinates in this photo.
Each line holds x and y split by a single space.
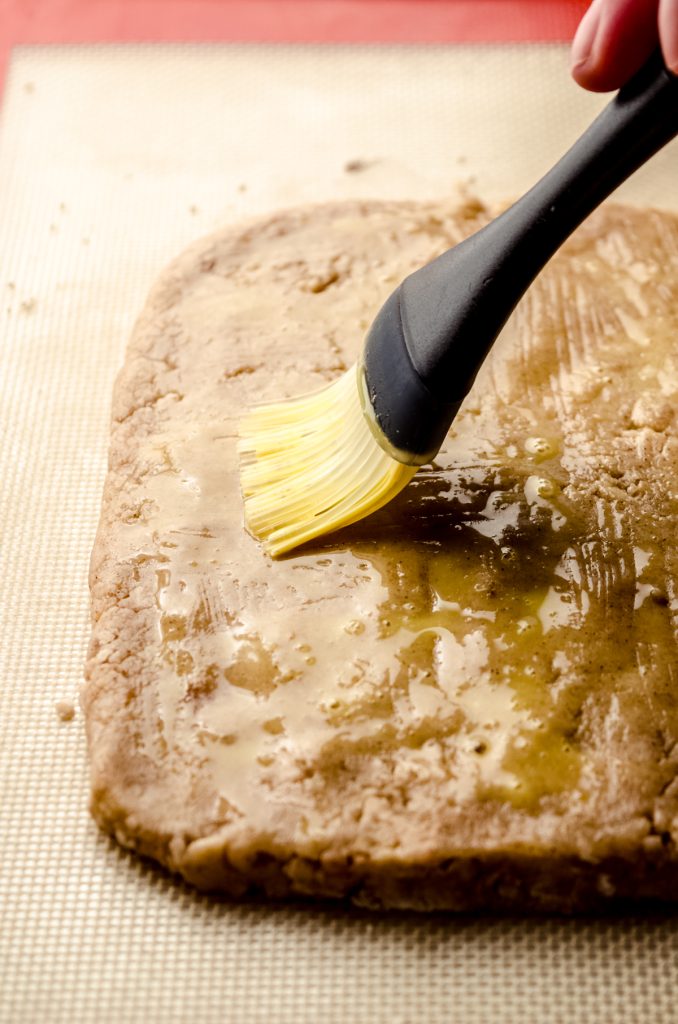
468 700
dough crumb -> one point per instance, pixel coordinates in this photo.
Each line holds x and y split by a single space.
65 710
354 166
647 412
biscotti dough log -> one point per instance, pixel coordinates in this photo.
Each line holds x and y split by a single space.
467 700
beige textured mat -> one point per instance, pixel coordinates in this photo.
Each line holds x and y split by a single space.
111 160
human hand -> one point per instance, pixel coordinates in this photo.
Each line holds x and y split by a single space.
615 37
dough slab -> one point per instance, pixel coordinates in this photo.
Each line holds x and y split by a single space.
467 700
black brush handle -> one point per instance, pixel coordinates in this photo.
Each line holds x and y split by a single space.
436 329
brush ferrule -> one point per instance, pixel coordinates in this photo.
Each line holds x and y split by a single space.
398 454
408 420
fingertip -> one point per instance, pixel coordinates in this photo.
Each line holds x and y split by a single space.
583 43
614 39
596 77
668 33
592 66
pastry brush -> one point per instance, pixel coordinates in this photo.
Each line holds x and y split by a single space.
324 460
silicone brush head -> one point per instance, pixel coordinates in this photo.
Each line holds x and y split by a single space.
316 463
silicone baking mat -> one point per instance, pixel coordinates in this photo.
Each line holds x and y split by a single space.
111 160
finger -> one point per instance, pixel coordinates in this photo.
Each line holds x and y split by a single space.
668 32
584 37
617 37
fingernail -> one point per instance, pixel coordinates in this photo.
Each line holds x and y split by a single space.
584 37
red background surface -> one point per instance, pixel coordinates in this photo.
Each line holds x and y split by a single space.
395 21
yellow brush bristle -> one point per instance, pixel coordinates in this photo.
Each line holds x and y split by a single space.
312 465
